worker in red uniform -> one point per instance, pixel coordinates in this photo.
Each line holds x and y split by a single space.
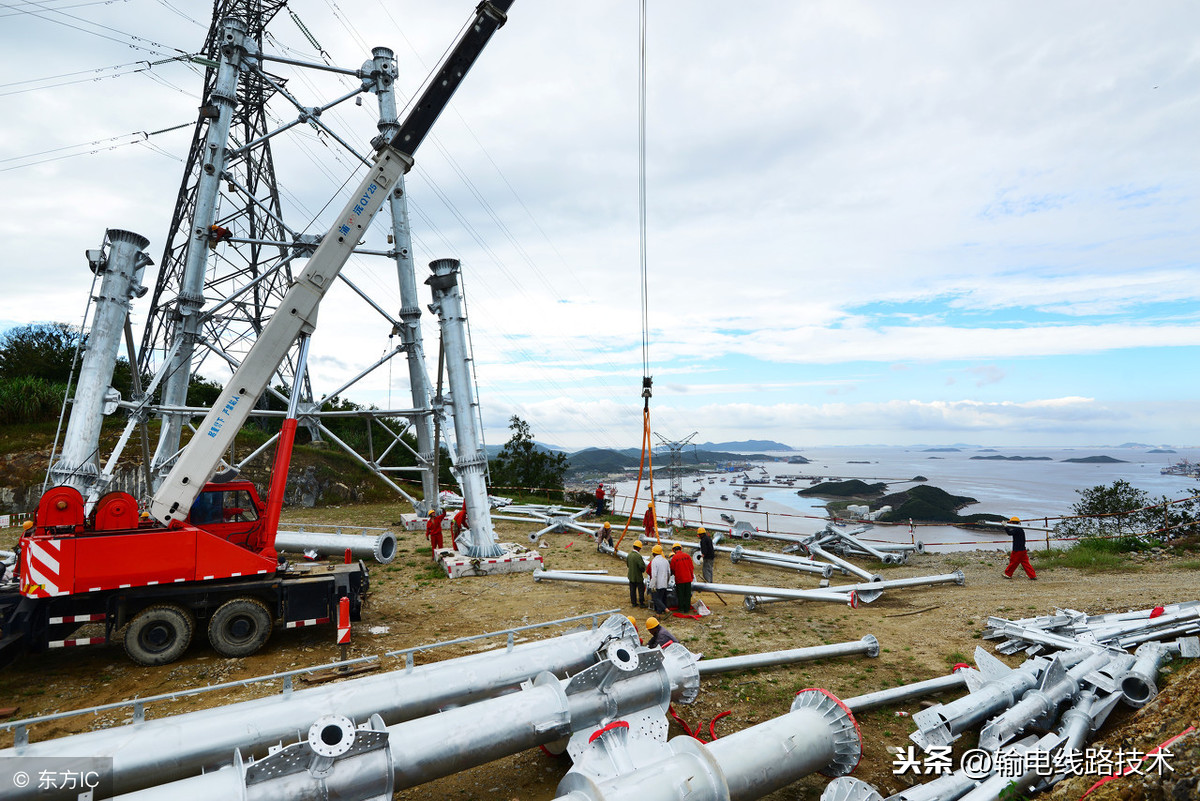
600 499
433 529
650 523
683 570
457 524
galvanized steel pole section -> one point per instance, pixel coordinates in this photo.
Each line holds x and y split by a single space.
154 751
470 462
380 547
188 317
1057 685
633 678
121 274
733 589
860 703
740 554
942 724
1140 685
868 646
818 734
383 74
872 590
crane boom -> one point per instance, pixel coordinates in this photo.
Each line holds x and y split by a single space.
297 314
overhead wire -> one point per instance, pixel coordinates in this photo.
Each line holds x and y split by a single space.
131 40
466 225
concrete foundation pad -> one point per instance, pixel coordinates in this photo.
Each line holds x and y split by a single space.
412 522
516 559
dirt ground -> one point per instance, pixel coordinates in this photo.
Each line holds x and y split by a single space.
922 633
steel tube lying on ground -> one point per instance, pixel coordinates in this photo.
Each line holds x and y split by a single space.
380 547
733 589
819 734
892 695
868 646
817 550
154 751
872 590
739 554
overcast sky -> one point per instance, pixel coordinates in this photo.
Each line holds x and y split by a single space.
869 222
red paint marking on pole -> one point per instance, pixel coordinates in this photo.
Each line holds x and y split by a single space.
347 556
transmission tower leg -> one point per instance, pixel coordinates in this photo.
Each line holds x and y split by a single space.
470 461
222 100
121 272
383 72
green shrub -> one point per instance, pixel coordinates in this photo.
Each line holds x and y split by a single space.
29 400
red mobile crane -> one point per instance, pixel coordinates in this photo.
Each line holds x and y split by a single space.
207 553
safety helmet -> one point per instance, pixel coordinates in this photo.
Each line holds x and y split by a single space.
651 623
650 505
657 549
1014 520
631 620
28 524
701 530
429 513
607 525
677 547
637 544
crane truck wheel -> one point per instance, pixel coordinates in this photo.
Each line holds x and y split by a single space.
239 627
159 634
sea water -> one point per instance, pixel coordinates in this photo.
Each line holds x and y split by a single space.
1032 490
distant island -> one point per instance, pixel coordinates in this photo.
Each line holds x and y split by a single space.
942 450
747 445
1161 450
921 503
845 489
1095 460
999 458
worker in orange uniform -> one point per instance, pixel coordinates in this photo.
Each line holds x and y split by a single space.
682 568
433 529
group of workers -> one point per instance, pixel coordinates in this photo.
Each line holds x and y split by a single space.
659 572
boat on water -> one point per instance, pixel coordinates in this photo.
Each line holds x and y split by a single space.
724 497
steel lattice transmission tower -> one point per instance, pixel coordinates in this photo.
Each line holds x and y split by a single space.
233 111
229 254
675 498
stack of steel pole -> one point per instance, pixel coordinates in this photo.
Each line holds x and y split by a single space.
155 751
340 761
